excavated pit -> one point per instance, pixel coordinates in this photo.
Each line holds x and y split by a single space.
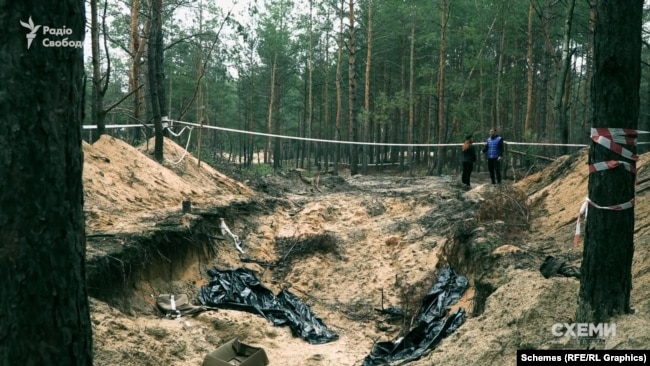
174 258
393 235
361 251
123 268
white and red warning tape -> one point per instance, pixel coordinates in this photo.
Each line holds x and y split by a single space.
611 138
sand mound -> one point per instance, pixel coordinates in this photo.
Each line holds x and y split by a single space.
126 191
187 167
518 315
558 191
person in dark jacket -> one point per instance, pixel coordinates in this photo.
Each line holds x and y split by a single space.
494 154
469 157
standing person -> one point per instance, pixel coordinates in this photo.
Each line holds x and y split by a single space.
494 154
469 157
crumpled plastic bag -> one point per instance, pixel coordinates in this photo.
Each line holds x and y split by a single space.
431 323
239 289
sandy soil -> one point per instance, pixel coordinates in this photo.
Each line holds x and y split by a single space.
126 190
390 231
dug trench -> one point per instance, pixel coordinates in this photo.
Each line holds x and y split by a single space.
362 253
122 267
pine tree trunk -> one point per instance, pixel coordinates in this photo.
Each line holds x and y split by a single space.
159 60
156 101
398 122
98 116
609 241
250 108
562 126
366 121
136 47
339 91
587 56
441 87
269 121
277 151
411 101
498 123
530 73
544 126
44 313
310 101
352 92
326 105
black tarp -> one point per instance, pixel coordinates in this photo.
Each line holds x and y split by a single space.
239 289
431 324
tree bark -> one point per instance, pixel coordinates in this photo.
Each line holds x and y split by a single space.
269 121
44 313
441 87
200 98
411 99
339 91
136 48
562 126
154 63
366 103
98 116
498 123
310 101
547 62
587 56
609 241
159 56
397 153
529 73
326 98
277 157
352 91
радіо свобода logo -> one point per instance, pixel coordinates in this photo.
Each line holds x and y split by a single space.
33 29
52 37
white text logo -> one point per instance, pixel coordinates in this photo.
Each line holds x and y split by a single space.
589 330
33 29
48 31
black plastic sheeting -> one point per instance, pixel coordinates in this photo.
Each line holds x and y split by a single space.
239 289
431 324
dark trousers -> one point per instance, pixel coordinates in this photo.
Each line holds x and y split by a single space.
468 166
494 167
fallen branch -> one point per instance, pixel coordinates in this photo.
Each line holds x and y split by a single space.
533 155
310 181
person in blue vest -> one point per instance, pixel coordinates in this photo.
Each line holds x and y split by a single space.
469 157
494 154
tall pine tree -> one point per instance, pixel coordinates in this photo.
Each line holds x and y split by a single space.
607 258
44 314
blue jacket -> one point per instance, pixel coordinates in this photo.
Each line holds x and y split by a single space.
494 147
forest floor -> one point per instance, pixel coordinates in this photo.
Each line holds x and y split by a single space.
389 237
